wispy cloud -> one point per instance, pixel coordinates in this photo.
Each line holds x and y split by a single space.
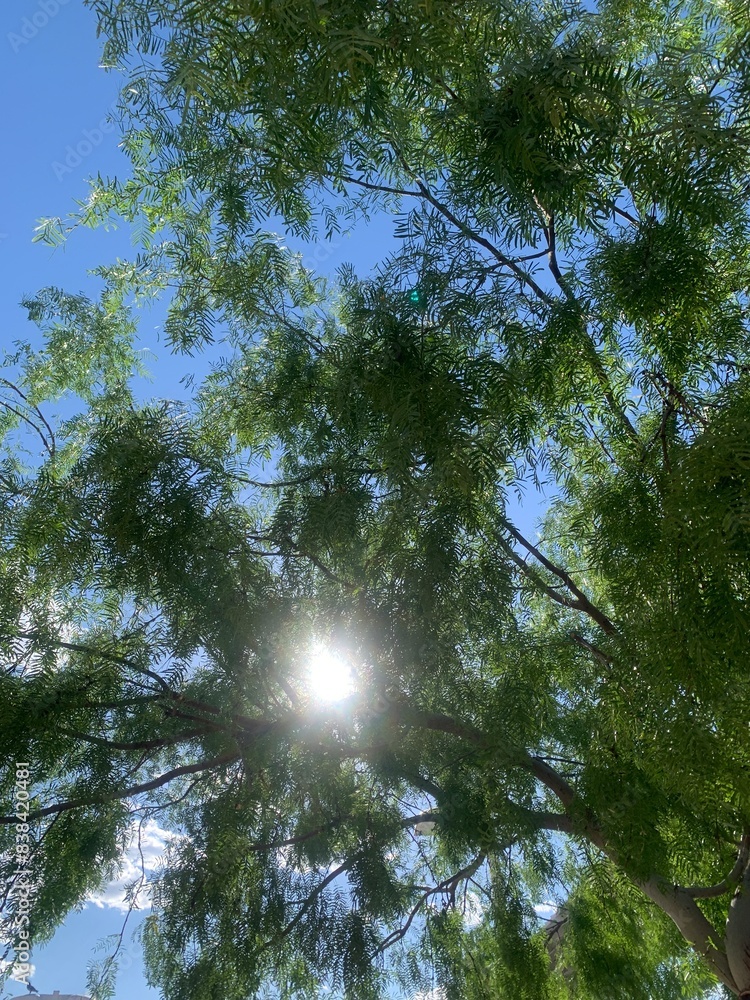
545 910
28 970
139 863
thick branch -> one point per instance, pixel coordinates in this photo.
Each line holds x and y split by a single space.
549 229
536 578
438 722
604 658
552 258
154 744
684 912
327 573
552 780
732 880
692 924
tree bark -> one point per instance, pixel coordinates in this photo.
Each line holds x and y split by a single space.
690 920
680 906
738 936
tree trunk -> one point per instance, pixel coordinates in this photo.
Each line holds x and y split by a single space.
738 936
680 906
691 922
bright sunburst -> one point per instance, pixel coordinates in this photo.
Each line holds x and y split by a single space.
329 677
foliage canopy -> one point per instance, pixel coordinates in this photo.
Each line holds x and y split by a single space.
565 308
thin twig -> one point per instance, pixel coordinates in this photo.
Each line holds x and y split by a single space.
471 234
581 602
447 886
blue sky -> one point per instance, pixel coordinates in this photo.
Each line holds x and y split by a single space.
53 117
54 98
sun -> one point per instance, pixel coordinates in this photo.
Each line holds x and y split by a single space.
329 677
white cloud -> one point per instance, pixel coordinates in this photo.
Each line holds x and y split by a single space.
473 912
438 993
545 910
27 972
137 861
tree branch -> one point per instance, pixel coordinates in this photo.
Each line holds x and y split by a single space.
604 658
376 187
581 602
154 744
731 881
438 722
49 444
301 838
538 581
77 647
681 908
606 386
548 219
471 234
124 793
448 886
694 926
287 930
245 722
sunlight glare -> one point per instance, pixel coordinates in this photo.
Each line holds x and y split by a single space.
329 677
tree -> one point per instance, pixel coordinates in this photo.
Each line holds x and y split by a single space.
557 717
